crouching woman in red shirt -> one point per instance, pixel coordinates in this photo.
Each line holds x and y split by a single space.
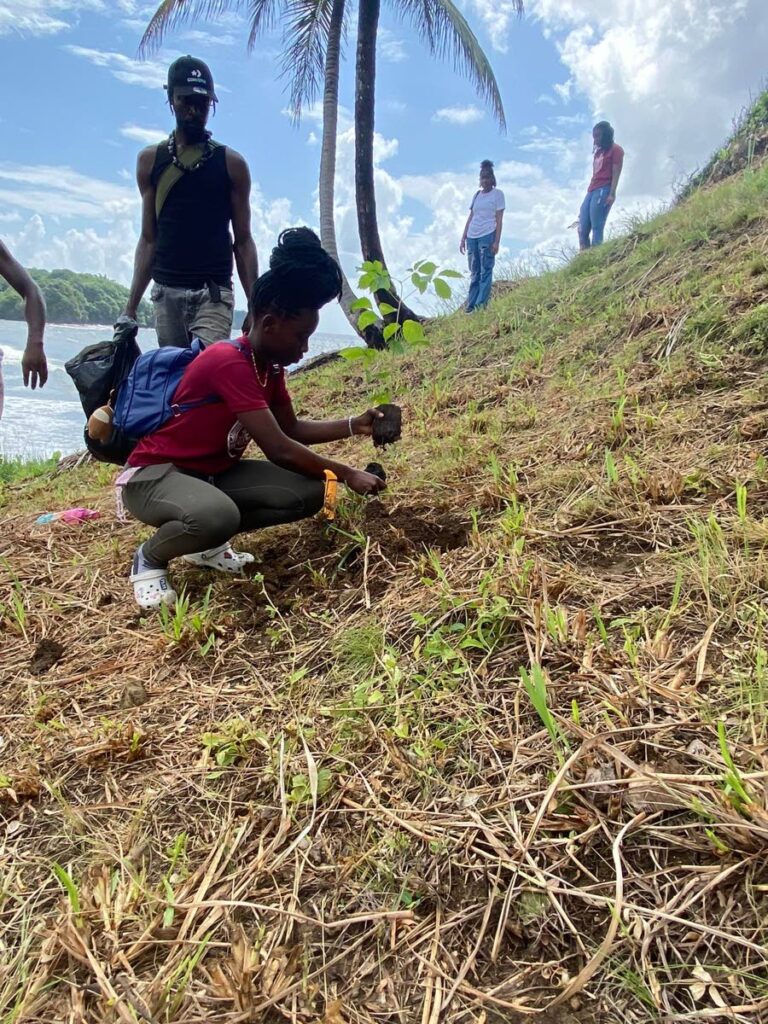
190 480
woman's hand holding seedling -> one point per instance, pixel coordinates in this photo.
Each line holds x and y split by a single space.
363 424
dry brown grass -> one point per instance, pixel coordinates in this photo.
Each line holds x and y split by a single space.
391 831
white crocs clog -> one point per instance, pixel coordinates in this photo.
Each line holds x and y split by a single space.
152 589
223 558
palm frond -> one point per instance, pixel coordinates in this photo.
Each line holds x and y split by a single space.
262 15
446 33
172 13
305 36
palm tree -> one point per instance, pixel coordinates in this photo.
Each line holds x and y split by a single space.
315 29
326 186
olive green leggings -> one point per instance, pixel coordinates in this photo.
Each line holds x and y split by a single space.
194 513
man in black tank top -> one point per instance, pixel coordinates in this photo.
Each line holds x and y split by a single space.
192 190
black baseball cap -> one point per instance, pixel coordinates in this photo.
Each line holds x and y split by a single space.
192 77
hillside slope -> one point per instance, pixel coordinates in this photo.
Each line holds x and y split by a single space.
491 748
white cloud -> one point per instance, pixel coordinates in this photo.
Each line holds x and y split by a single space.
144 135
499 18
41 17
151 74
670 76
459 115
209 38
312 139
61 192
390 47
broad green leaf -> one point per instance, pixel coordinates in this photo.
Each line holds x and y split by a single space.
363 303
450 273
355 352
442 288
366 281
413 332
427 268
420 282
367 318
390 330
385 309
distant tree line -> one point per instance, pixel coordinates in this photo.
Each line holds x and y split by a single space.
72 298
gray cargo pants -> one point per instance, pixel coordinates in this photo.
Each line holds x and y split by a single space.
195 514
185 313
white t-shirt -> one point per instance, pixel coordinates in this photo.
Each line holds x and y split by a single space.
484 209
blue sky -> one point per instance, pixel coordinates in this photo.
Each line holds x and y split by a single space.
82 105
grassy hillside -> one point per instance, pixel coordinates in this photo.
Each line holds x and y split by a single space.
492 748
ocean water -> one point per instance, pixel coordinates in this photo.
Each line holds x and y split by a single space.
38 423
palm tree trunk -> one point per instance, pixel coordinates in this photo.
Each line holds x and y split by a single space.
372 335
365 84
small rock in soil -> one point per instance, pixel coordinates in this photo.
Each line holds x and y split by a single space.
47 653
388 429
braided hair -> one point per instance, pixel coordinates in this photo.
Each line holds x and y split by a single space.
301 275
606 134
486 167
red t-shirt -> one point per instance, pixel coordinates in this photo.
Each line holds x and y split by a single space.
210 438
602 166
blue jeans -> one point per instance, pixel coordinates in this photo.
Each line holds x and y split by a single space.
592 217
481 261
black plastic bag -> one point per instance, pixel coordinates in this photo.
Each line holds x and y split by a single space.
100 369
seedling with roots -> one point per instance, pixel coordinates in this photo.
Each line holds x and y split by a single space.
399 335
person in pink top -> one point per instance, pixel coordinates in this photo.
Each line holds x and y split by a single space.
607 162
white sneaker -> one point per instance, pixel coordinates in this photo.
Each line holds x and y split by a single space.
223 558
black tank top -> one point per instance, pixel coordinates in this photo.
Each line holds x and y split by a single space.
194 243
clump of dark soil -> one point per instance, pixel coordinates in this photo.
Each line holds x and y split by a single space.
389 428
407 530
47 653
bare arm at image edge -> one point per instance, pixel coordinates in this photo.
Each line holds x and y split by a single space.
145 249
290 454
618 165
246 257
33 364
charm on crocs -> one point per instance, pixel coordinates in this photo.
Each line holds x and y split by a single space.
223 558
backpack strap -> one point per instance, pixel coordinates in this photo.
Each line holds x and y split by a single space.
171 174
474 197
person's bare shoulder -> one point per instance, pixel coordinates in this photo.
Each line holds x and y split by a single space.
236 164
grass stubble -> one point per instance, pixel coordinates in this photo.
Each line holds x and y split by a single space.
490 749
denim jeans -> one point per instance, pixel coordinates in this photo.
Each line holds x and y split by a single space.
592 216
182 314
481 261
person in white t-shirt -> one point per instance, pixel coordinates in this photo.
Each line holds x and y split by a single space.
482 234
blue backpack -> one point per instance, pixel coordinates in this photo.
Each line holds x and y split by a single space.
144 401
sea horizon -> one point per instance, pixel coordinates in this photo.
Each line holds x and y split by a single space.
37 424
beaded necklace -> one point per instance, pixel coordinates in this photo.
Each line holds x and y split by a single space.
204 156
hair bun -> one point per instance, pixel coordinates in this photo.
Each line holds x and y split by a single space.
295 246
486 165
